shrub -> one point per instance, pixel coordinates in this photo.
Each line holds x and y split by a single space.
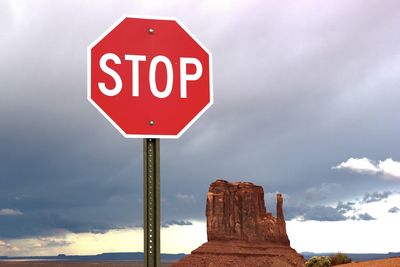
316 261
339 258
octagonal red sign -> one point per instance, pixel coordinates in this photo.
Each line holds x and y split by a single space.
150 77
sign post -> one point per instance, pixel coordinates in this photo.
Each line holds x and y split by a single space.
151 79
151 182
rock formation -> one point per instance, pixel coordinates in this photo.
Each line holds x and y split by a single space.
241 232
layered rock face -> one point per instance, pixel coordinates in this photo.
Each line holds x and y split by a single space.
241 232
236 211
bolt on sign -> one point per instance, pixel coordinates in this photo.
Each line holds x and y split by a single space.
151 78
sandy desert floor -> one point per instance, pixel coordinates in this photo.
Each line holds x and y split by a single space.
395 262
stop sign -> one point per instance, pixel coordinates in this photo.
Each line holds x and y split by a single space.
150 77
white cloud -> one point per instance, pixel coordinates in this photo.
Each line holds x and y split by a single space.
362 165
10 212
382 234
390 168
387 168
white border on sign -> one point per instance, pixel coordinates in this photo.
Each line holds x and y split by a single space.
89 97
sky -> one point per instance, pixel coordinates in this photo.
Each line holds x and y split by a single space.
305 103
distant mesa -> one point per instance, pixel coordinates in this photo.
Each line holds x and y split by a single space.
241 232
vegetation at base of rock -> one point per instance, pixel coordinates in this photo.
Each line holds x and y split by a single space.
319 261
339 258
324 261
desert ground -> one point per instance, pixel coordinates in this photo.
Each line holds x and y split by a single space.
73 264
394 262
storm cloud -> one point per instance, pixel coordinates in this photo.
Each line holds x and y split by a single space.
343 207
394 210
174 222
342 211
322 213
365 217
376 196
299 87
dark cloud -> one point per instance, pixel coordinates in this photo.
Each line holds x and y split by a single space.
292 212
169 223
343 207
295 93
342 211
375 196
52 242
365 217
321 193
42 224
394 210
322 213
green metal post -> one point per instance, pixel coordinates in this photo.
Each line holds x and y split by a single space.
151 160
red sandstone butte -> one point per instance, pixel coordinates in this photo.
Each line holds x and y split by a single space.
240 231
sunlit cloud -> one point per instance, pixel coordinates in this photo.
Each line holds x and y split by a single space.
377 218
361 165
390 168
387 168
46 242
6 247
121 240
10 212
